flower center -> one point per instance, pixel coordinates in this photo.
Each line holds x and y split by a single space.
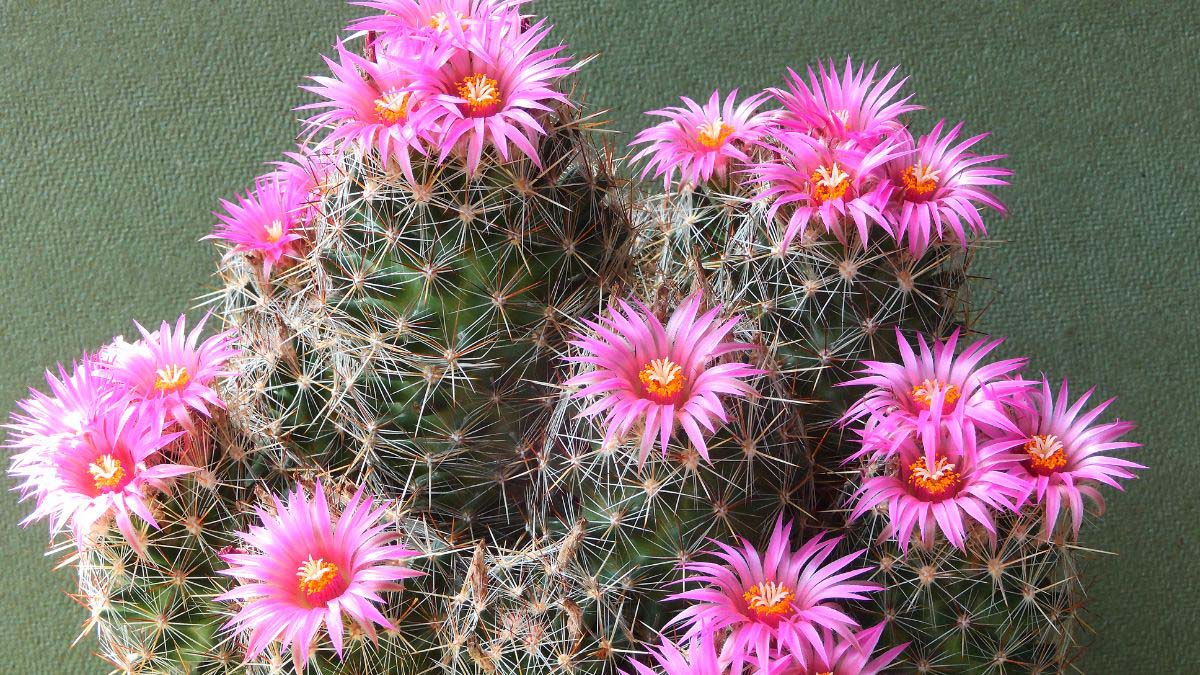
171 378
481 92
935 484
919 180
923 394
1046 454
829 183
107 472
392 107
274 231
441 21
662 379
712 134
769 599
316 575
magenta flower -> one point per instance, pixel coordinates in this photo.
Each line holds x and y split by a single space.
773 604
490 91
436 19
106 470
700 141
839 656
698 658
660 376
1061 453
175 370
852 107
939 188
308 570
266 222
933 390
306 178
826 184
939 478
371 106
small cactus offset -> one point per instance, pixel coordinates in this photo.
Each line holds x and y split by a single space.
484 404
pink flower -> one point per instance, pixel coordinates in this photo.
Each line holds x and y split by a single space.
939 188
830 184
489 89
845 657
265 221
106 469
1061 453
309 570
661 376
371 105
306 177
402 19
774 603
851 107
933 390
174 370
701 141
699 658
938 478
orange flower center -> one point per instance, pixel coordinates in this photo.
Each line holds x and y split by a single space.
923 393
713 134
919 180
274 231
1046 454
392 107
316 575
935 483
829 183
662 378
769 599
441 21
480 91
107 472
171 378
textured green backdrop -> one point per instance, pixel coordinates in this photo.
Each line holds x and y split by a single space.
124 121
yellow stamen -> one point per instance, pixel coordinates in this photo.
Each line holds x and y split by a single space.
829 183
1046 453
441 21
769 599
941 479
316 575
662 378
107 472
392 107
713 134
923 393
480 91
171 378
274 231
919 179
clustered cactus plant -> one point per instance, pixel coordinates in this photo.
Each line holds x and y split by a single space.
483 405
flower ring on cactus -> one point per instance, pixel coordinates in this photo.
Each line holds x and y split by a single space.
174 369
774 602
839 656
308 569
1062 453
433 19
700 141
939 187
851 108
698 657
934 389
935 478
661 376
265 222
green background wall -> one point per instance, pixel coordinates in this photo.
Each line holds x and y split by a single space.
124 121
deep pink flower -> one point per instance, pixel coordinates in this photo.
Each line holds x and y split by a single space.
661 376
932 390
852 107
266 222
308 570
700 141
935 479
433 19
828 184
489 88
839 656
775 603
175 370
699 657
104 470
939 188
1061 453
